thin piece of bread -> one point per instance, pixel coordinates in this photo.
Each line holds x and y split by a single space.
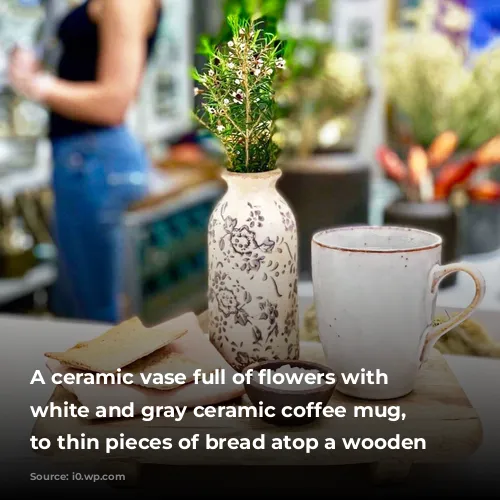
118 347
160 363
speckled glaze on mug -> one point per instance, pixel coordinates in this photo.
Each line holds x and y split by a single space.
375 290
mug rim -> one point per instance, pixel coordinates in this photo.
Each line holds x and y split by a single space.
438 240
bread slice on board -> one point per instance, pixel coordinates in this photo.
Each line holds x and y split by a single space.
162 362
118 347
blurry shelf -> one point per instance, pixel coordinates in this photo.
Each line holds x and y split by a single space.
172 202
165 130
36 177
335 162
147 121
40 277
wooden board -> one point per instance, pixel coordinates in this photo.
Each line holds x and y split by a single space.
438 411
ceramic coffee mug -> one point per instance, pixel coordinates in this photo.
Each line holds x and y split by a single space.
375 290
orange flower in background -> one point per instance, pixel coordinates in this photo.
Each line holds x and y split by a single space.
392 164
485 191
489 153
453 175
417 180
418 163
420 174
442 149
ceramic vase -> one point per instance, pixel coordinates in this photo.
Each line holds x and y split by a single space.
253 272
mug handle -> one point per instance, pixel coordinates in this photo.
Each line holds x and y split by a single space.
437 275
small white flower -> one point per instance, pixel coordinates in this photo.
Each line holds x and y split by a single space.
257 72
252 33
230 65
211 72
238 96
237 82
226 101
220 128
281 63
260 62
242 31
269 71
230 44
240 73
257 100
197 91
211 110
242 45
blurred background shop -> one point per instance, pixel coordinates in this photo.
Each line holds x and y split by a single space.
365 101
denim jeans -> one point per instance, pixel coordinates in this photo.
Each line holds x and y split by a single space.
97 175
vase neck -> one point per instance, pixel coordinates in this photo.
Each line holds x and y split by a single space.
252 182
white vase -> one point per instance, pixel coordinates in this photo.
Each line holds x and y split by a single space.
253 272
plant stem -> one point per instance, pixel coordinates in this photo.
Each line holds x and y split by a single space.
247 106
231 121
204 124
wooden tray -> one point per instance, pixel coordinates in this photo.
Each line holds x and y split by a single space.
438 411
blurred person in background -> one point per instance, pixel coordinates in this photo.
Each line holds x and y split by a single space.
100 169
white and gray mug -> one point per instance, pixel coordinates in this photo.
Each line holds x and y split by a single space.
375 291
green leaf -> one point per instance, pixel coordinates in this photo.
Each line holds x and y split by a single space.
205 47
238 99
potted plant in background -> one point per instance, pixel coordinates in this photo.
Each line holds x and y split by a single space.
441 97
324 92
433 188
322 97
252 247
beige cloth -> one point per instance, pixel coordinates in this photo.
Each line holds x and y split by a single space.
468 339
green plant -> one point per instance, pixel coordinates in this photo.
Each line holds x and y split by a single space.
320 90
433 86
238 98
266 12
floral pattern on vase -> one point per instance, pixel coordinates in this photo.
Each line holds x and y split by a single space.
253 272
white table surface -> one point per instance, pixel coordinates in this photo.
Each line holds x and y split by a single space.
24 341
